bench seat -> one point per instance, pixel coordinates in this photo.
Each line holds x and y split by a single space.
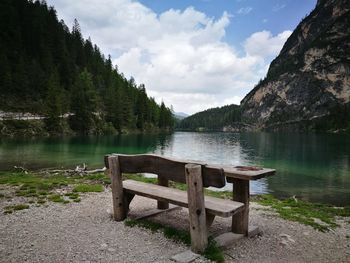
214 206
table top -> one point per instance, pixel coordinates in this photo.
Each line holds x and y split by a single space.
248 172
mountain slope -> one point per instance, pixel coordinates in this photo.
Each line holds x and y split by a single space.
214 119
47 69
308 85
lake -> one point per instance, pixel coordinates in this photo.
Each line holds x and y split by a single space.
314 167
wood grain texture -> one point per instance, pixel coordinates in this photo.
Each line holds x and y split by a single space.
196 208
119 208
215 206
170 169
163 181
173 169
241 194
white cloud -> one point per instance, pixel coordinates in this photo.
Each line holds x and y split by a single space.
244 10
180 55
263 44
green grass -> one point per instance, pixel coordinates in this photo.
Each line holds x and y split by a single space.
13 208
320 216
39 187
86 188
56 198
212 252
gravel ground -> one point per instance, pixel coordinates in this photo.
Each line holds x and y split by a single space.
85 232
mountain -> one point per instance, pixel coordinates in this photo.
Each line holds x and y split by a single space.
215 119
307 86
180 115
49 70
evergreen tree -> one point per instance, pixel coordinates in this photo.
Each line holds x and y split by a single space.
53 104
83 103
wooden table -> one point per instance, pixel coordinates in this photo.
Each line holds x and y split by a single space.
240 177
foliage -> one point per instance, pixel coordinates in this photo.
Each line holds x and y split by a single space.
212 119
85 188
319 216
50 70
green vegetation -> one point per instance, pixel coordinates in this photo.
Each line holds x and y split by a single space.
41 188
211 119
56 198
11 208
85 188
54 70
213 252
320 216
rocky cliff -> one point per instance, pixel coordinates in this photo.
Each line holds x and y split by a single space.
308 84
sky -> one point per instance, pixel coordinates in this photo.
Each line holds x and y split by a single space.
194 54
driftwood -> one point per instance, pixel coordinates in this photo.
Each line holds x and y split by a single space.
21 169
79 170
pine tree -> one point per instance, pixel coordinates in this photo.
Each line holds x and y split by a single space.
53 104
83 103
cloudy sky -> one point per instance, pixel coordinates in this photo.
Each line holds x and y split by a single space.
195 54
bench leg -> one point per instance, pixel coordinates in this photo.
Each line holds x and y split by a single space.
210 219
119 209
127 200
163 182
196 208
241 194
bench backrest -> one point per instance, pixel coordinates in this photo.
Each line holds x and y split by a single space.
168 168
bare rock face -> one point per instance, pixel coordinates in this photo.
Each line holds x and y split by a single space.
308 83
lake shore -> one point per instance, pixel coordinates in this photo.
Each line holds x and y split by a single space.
85 232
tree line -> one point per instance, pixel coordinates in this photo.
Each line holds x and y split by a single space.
213 119
48 69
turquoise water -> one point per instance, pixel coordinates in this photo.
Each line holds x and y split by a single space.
313 167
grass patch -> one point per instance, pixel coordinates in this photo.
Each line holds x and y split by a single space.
212 252
56 198
86 188
320 216
16 207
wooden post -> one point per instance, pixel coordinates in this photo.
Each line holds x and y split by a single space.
196 208
119 209
241 194
163 182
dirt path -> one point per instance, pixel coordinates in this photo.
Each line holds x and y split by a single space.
84 232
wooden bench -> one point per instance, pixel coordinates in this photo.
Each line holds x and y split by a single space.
202 209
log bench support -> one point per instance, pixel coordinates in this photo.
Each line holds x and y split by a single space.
120 204
240 220
163 181
196 208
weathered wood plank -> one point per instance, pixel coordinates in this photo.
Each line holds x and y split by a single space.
163 181
119 209
215 206
241 194
170 169
173 169
196 208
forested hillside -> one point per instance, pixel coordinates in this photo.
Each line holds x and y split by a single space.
48 69
212 119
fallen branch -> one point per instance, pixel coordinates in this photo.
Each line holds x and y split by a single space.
79 170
